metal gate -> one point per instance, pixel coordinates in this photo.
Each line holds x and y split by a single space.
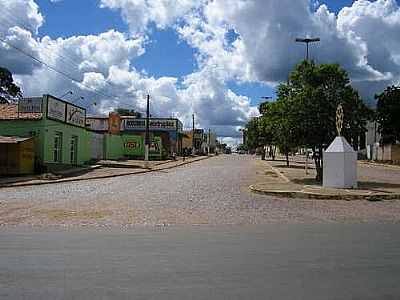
97 146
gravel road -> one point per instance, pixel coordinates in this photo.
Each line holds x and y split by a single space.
212 191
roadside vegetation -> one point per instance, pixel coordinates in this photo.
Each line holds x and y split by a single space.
304 113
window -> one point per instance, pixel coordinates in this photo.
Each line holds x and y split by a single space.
73 150
57 153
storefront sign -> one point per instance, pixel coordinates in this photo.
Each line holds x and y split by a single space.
75 115
56 109
154 124
30 105
154 147
97 124
114 123
132 145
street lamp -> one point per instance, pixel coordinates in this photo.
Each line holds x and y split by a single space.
261 107
193 144
307 41
147 134
266 97
91 104
77 99
67 93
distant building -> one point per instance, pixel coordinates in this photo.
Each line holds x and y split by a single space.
170 130
375 150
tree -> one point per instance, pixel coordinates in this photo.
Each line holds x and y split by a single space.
387 114
278 126
9 91
252 134
128 112
310 99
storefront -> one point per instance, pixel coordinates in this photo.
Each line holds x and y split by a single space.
167 129
16 155
131 146
57 128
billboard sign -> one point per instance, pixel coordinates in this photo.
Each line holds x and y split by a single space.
114 123
56 109
154 124
97 124
75 115
30 105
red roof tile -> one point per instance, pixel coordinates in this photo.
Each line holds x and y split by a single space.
10 112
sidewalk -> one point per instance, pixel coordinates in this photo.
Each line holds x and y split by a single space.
376 182
104 169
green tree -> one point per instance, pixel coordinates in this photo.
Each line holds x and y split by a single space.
278 126
387 114
128 112
252 134
310 99
9 91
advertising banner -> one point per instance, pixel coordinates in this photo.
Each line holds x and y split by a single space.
30 105
56 109
76 115
133 145
97 124
155 124
114 122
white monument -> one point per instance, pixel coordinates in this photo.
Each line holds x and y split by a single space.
340 160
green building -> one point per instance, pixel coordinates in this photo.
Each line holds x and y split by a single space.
60 136
57 127
130 146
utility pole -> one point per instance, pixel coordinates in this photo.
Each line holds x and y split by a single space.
193 144
147 135
209 140
308 41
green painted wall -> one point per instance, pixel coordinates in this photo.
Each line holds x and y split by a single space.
133 145
68 131
125 145
113 147
26 128
44 132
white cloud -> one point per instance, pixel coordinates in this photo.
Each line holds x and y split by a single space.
139 14
24 13
242 40
265 49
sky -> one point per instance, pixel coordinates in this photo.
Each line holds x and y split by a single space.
213 58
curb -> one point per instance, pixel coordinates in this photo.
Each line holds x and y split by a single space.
104 176
316 196
376 164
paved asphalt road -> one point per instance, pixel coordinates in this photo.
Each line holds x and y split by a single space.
136 237
328 261
213 192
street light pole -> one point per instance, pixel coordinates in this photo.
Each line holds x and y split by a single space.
67 93
77 99
147 135
193 144
92 104
209 140
307 41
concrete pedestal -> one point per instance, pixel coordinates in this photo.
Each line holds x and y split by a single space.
340 165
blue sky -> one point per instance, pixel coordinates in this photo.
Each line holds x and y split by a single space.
166 54
212 58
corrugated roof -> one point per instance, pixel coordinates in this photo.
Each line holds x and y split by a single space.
13 139
10 112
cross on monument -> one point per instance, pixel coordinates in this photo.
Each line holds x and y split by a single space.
339 119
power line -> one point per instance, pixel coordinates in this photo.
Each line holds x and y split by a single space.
62 73
65 58
74 65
